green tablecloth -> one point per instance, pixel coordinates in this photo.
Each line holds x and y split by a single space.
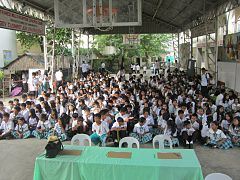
93 164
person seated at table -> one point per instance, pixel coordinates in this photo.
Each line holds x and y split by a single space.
100 131
60 130
43 129
189 135
217 139
141 131
21 130
119 130
6 127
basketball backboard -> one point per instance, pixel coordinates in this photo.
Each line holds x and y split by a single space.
97 13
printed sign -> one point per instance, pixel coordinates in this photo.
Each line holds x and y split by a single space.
19 22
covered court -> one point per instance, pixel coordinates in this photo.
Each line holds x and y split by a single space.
201 31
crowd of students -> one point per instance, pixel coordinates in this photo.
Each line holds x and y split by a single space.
188 109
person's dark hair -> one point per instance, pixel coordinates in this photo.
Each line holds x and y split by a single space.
98 115
38 108
123 109
23 105
146 109
17 108
24 96
216 123
180 112
43 117
28 103
1 103
119 119
33 113
6 115
142 120
21 119
75 115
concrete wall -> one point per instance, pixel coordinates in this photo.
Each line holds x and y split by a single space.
229 72
8 46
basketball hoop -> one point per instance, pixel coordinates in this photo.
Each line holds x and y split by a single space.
131 40
104 13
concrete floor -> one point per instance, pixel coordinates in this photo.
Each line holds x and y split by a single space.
17 159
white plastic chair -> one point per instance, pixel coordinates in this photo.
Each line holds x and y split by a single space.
130 141
217 176
160 139
81 138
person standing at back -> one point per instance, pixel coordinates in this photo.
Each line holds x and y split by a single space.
85 69
204 82
157 67
59 77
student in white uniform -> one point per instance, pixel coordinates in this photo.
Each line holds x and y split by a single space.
60 130
21 130
119 130
217 138
204 82
43 129
141 131
24 111
6 127
100 131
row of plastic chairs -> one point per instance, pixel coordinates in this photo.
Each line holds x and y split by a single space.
83 138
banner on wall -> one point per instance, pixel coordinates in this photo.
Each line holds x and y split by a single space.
232 46
15 21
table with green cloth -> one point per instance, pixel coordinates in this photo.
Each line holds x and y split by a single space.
94 164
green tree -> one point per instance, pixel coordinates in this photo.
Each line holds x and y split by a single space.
153 44
28 40
63 38
150 45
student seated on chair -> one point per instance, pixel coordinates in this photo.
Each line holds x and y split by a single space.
119 130
100 130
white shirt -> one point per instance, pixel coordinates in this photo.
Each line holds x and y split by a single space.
58 129
22 128
205 130
32 121
204 79
100 129
162 123
116 125
225 124
202 118
189 131
179 122
217 136
140 129
25 114
149 121
103 65
85 68
59 76
44 125
6 126
219 100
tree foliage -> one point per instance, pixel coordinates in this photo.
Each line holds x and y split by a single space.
28 40
63 38
150 44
